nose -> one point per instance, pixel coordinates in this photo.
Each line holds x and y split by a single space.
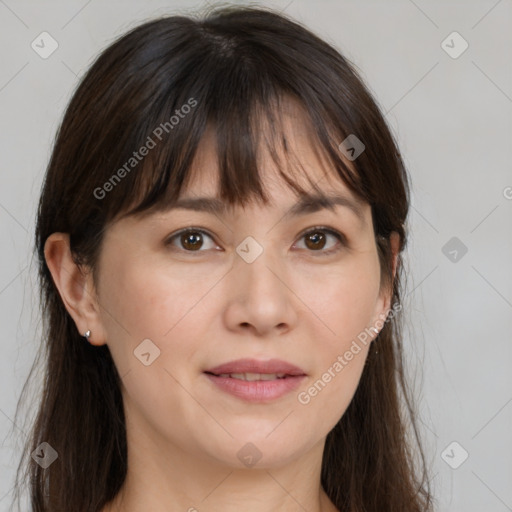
260 298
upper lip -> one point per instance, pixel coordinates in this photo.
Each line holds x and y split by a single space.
256 366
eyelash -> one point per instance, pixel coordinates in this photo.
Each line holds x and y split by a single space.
341 238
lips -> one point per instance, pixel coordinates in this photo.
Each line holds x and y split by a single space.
256 381
277 367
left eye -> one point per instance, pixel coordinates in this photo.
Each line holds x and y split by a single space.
315 240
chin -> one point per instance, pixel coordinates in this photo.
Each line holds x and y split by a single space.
259 450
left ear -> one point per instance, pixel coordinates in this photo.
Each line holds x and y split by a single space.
384 302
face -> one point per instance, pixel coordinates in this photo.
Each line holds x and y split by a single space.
245 283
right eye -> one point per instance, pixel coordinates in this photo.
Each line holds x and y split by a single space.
190 240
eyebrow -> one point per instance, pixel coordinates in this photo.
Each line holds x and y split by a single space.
306 204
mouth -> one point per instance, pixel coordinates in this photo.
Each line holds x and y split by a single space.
256 381
254 369
252 376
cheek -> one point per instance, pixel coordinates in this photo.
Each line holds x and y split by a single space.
143 298
344 298
344 304
134 307
147 301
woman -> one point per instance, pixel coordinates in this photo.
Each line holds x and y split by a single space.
219 237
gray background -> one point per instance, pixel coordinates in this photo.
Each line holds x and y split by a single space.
452 118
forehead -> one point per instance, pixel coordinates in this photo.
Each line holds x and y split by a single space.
329 191
296 154
278 162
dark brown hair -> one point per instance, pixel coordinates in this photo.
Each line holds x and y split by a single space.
233 68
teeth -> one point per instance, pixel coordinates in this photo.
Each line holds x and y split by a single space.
254 376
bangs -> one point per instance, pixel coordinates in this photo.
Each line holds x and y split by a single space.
244 99
241 140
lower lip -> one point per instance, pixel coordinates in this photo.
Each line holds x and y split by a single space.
257 390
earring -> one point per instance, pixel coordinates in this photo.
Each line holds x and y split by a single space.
87 334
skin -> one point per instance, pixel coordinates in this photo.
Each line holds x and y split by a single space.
210 307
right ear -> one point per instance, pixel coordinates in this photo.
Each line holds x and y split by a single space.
75 286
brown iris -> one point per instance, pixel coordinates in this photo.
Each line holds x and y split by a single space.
315 240
192 240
